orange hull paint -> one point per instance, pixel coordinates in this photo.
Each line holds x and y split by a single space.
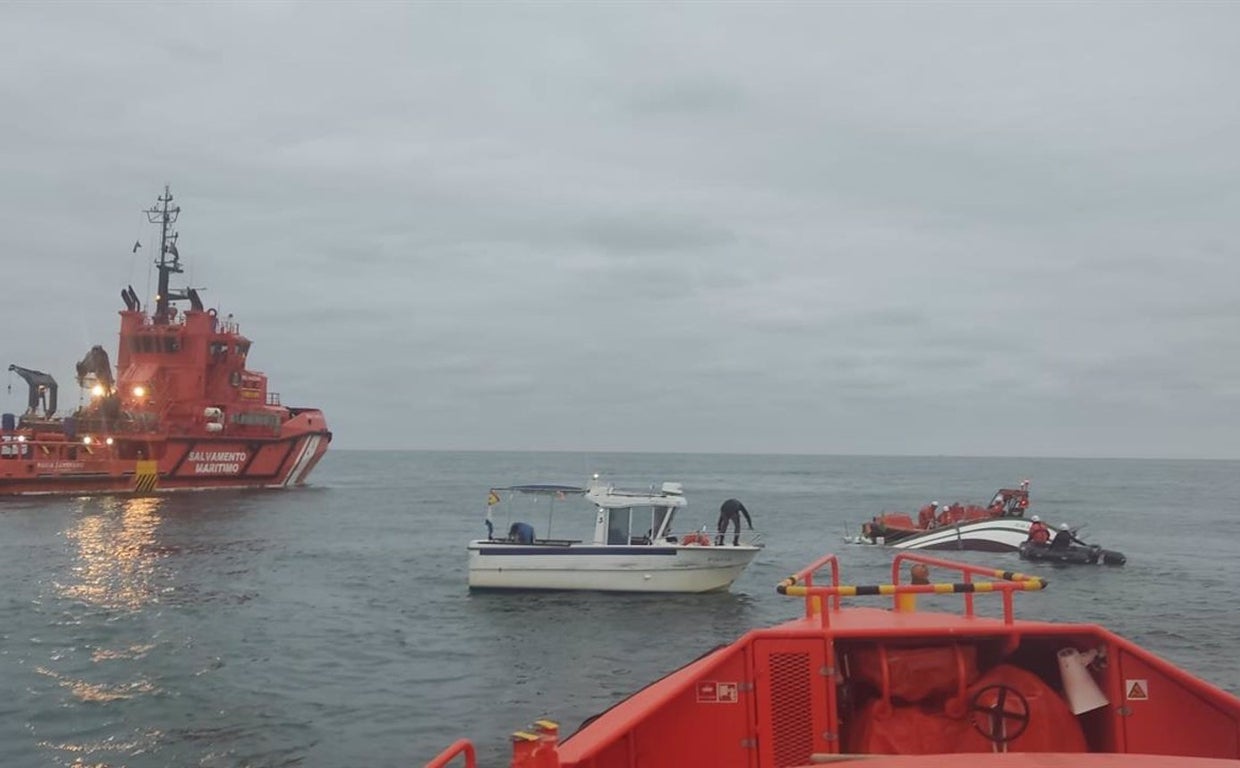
902 687
187 465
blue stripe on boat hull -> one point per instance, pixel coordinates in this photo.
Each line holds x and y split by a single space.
506 551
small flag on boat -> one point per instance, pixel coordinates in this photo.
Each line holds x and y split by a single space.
492 499
136 245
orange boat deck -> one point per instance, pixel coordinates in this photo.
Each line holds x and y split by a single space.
923 687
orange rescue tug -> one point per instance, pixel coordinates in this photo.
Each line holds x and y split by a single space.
902 688
183 411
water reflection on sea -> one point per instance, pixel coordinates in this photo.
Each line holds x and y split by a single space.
117 554
104 587
331 626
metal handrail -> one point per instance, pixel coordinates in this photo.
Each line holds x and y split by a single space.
459 747
806 577
1008 583
967 570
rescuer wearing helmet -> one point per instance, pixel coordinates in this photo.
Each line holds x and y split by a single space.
1065 537
1038 532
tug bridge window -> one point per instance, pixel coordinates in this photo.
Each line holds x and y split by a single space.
155 343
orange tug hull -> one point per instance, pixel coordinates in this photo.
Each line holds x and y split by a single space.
187 465
182 412
904 688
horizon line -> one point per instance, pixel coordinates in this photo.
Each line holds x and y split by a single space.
788 453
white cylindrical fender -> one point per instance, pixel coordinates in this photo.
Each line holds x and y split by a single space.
1082 692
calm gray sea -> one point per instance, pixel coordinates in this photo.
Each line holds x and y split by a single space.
331 626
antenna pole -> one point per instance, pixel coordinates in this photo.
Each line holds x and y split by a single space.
165 216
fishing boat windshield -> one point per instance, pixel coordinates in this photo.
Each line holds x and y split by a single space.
662 523
554 511
638 525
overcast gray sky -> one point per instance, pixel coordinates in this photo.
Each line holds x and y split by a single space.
978 229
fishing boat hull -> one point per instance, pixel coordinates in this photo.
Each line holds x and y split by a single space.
1000 534
639 568
183 464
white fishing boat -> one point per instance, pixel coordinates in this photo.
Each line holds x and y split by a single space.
633 546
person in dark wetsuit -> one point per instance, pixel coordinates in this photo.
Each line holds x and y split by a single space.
730 511
1065 538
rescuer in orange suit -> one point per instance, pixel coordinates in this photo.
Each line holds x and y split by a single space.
1038 532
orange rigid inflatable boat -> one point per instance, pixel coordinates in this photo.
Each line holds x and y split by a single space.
901 687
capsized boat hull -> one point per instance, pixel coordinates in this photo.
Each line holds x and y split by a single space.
637 568
1000 534
892 527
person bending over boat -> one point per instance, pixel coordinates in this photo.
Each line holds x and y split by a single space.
1065 538
730 511
1038 532
521 533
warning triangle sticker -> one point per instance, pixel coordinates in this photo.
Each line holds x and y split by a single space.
1136 690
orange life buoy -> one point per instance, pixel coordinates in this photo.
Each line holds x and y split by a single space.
700 539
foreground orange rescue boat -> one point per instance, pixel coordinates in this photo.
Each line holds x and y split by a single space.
182 412
900 687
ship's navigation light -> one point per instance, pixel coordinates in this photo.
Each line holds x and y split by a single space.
87 440
139 391
97 390
21 438
108 440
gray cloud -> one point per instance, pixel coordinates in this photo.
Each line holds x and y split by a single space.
770 227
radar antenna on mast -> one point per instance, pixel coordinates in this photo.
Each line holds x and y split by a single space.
165 215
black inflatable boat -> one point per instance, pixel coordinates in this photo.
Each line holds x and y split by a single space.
1073 555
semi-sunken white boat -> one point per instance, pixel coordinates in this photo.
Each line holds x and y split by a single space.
999 526
633 547
999 534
